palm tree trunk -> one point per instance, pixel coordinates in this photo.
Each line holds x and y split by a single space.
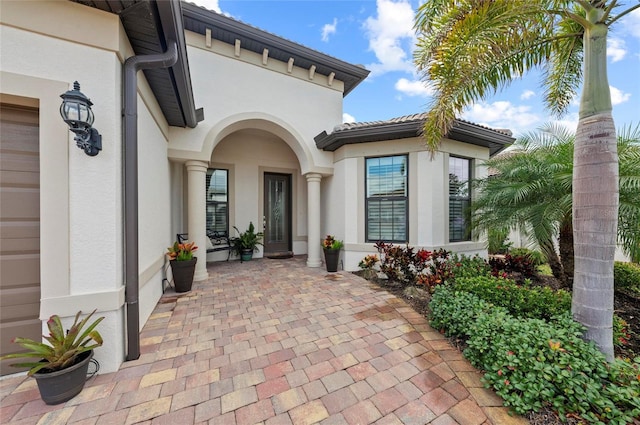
565 241
549 251
595 196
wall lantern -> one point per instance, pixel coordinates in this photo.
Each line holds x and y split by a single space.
76 112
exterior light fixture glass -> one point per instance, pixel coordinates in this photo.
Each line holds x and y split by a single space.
76 112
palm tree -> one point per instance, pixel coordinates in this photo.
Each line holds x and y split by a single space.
530 188
468 49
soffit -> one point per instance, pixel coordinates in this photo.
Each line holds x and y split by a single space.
150 25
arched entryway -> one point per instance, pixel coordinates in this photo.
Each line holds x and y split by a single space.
260 171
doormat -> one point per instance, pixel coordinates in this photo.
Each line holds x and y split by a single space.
279 255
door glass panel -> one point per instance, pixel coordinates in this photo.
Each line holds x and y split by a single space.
277 213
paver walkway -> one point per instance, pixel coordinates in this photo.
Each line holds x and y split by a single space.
275 342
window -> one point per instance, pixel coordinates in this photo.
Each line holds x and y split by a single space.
459 199
386 199
217 201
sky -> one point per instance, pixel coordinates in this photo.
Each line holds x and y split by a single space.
379 35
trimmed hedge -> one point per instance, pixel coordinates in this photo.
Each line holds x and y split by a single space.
533 302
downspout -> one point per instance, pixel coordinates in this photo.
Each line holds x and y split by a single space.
131 67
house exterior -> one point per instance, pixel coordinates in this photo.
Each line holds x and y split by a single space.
230 125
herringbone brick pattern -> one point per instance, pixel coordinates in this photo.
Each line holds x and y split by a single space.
274 342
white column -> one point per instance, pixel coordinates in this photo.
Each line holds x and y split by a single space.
313 220
197 219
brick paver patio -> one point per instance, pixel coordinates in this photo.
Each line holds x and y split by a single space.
274 342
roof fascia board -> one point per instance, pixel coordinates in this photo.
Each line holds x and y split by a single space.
462 131
258 35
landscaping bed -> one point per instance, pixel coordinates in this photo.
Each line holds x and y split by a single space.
559 378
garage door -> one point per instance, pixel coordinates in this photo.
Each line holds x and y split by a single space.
19 229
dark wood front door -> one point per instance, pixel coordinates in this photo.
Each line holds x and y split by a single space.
277 214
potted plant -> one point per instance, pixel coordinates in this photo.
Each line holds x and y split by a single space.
331 247
247 242
183 265
61 369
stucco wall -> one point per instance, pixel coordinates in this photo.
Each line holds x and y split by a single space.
428 195
248 154
241 89
81 196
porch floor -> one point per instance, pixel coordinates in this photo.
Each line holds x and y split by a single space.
272 341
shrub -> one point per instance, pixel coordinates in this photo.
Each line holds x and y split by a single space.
533 363
530 363
626 275
453 312
536 257
409 267
463 266
497 241
535 302
513 266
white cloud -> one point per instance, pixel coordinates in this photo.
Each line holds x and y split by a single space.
348 118
502 114
616 49
329 29
632 23
391 36
527 94
413 88
618 96
209 4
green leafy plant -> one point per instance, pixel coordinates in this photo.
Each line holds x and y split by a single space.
536 257
63 348
181 251
497 241
247 240
533 363
626 275
330 242
368 262
520 301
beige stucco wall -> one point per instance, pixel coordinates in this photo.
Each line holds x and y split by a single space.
248 154
428 195
81 196
239 92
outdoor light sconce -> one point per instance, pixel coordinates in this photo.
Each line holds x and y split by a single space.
76 112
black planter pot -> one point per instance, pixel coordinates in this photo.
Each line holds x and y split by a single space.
62 385
183 272
331 259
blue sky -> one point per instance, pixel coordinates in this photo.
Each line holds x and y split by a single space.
379 35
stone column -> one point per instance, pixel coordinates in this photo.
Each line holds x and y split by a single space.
197 219
313 220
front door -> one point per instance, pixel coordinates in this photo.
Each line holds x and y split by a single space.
277 214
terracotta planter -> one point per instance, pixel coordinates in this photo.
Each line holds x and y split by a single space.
183 272
331 259
62 385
